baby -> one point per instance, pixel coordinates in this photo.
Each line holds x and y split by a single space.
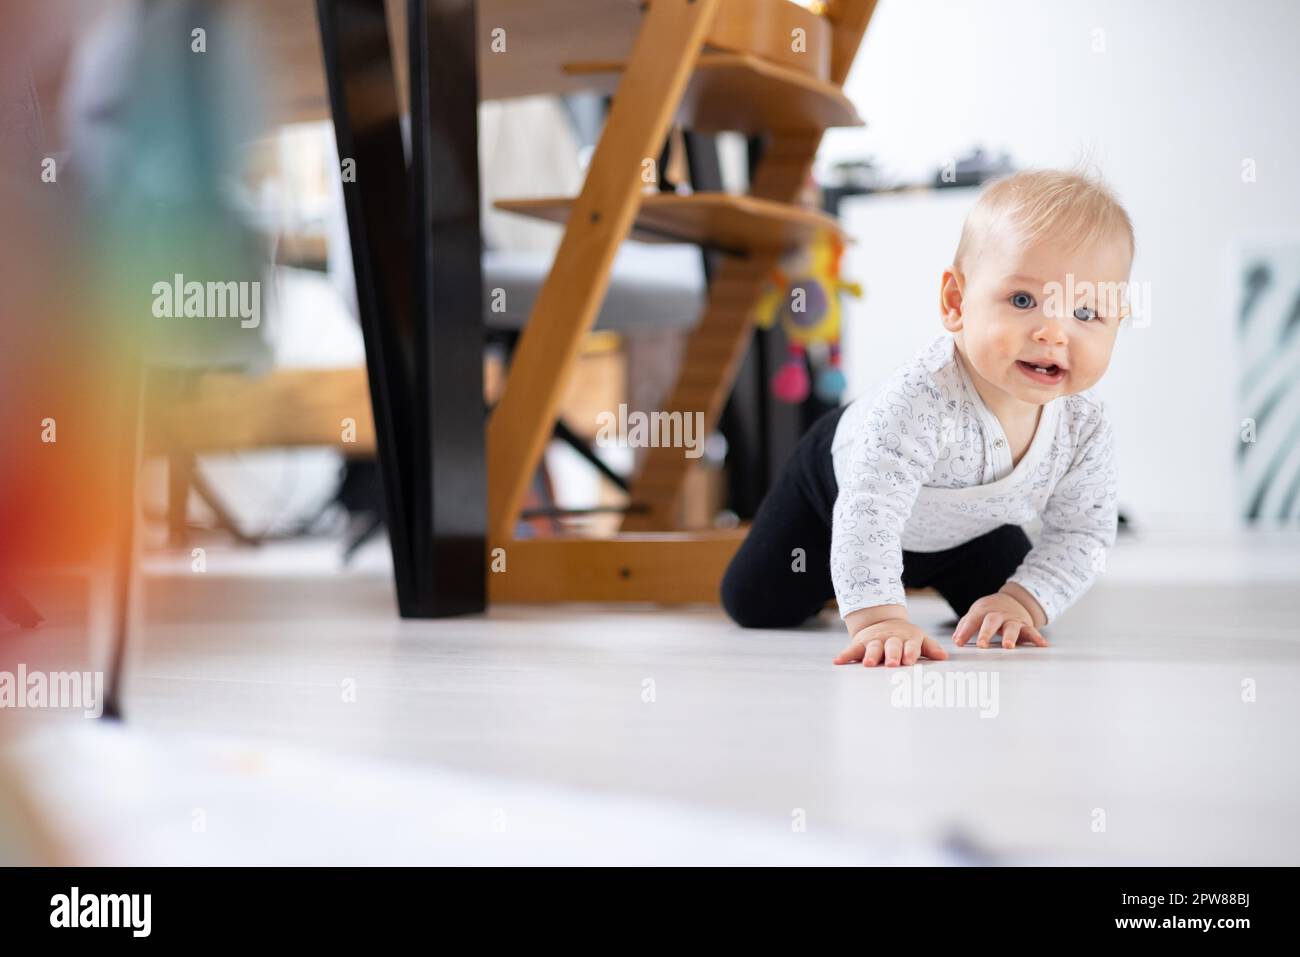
928 480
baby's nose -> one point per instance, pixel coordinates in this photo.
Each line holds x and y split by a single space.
1052 331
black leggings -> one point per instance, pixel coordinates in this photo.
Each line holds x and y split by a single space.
762 589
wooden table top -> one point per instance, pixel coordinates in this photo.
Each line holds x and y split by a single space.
539 37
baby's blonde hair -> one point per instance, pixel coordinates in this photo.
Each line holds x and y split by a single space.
1031 204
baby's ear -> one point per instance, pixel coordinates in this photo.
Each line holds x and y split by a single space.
950 298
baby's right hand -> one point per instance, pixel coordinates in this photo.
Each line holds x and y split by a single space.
895 641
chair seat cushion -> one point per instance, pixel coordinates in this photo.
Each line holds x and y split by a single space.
651 287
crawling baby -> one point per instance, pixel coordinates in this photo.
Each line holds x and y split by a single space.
927 480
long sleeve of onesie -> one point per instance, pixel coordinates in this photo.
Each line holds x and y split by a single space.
890 460
1079 524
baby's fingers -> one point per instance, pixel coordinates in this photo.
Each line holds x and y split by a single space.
969 626
923 647
852 654
911 650
875 651
992 622
1034 636
933 650
893 651
1010 632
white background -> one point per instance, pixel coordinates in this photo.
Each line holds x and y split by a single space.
1182 94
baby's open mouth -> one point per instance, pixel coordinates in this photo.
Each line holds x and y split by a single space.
1042 373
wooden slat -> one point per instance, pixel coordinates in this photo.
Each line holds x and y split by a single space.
737 223
849 19
287 407
674 568
304 407
746 94
659 485
785 166
766 29
664 53
301 250
750 95
540 36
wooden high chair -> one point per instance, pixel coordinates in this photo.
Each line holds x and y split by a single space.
761 67
770 69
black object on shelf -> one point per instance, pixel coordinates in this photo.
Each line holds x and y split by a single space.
973 169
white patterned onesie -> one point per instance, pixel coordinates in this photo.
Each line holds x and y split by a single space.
922 465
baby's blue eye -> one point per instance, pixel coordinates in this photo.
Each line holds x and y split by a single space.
1085 314
1022 300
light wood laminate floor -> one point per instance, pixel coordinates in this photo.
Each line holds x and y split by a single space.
1134 719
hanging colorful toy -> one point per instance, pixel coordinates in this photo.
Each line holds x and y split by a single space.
805 298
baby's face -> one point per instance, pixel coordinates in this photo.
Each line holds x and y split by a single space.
1038 322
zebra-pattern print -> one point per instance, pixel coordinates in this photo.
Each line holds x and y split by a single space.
1268 449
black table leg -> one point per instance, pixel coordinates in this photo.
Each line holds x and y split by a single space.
416 250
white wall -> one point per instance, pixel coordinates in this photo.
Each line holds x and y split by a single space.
1183 92
899 239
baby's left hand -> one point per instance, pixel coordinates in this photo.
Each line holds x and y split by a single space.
997 613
